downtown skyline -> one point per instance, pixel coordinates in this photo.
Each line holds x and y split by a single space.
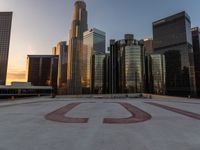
40 36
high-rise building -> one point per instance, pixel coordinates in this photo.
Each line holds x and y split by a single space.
148 46
42 70
196 48
127 65
172 37
158 73
78 27
113 67
107 71
5 32
94 42
98 73
61 50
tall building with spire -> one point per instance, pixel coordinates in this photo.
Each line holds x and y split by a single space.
78 27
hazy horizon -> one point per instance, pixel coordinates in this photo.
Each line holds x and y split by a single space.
38 25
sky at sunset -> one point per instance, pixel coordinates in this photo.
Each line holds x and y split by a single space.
39 24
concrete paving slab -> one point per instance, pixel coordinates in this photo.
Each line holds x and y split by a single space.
24 126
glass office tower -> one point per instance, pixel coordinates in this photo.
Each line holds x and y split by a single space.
196 48
94 42
113 67
5 31
98 73
172 37
42 70
107 71
158 73
133 69
78 27
127 65
61 51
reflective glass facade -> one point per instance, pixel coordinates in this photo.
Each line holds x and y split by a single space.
133 69
172 37
158 73
61 50
5 31
93 43
107 71
78 27
127 65
196 48
98 73
114 67
42 70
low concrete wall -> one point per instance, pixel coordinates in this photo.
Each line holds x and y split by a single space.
153 96
118 96
101 96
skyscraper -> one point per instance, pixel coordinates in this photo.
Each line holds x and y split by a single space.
61 51
94 42
196 48
158 73
78 27
5 31
42 70
107 71
127 65
148 46
114 67
172 37
98 73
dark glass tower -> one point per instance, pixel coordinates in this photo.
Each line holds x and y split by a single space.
42 70
172 37
61 51
98 73
158 73
78 27
5 31
196 48
127 65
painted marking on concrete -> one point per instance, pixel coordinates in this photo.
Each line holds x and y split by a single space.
176 110
137 115
60 115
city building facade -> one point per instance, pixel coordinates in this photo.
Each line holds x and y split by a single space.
172 37
158 73
98 73
107 72
148 46
42 70
127 65
94 42
78 27
61 50
196 48
5 32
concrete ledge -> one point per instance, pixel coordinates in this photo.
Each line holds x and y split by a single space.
104 96
153 96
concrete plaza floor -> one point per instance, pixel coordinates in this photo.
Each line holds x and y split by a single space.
174 124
